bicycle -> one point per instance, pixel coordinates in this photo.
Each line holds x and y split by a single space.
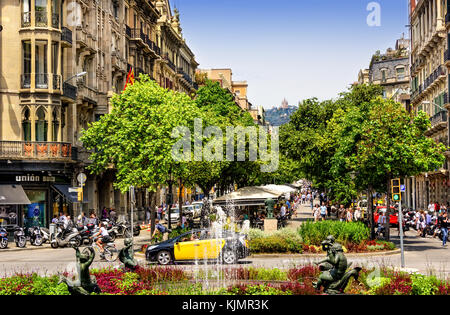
110 252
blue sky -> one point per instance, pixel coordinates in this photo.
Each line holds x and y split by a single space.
289 48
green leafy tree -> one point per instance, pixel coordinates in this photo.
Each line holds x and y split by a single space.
136 137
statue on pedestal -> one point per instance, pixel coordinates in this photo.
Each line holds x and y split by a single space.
86 284
334 277
270 204
126 255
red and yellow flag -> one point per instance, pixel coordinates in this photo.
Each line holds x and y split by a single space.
130 78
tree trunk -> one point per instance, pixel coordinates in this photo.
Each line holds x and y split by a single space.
180 198
388 209
152 211
370 212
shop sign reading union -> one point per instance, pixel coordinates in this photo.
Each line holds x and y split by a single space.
35 178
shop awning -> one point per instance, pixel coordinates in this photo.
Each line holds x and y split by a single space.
248 196
63 190
13 195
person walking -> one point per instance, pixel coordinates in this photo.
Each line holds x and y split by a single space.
113 215
323 211
342 213
316 213
443 225
349 217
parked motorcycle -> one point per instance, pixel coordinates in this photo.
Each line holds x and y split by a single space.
86 233
62 238
45 233
19 237
35 236
3 238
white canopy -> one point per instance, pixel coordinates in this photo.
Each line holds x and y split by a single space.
255 195
280 188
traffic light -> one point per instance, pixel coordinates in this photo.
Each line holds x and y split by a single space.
80 194
396 192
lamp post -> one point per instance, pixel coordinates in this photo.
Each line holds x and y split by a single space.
78 75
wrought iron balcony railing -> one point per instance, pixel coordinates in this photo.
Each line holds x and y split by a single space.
66 35
70 91
35 150
440 117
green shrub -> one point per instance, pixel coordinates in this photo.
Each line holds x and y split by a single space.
282 241
313 233
423 285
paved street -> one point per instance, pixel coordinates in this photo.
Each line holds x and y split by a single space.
423 255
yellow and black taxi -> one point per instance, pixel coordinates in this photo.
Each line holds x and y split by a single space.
228 248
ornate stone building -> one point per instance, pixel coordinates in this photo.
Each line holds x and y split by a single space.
60 63
430 61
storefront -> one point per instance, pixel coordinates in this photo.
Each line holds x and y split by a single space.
47 194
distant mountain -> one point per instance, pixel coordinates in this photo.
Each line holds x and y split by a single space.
278 116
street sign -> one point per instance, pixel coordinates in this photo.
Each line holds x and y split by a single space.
403 188
74 189
81 178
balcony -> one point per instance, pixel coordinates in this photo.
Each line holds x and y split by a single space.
41 18
35 150
26 19
137 34
437 73
170 63
66 36
447 18
439 120
69 91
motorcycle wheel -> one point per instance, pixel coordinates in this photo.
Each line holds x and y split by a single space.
38 241
21 242
127 233
113 237
76 242
111 253
3 243
53 242
137 231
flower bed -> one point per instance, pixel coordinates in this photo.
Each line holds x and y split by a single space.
245 281
307 239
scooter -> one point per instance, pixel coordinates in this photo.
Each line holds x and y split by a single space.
86 233
63 238
3 238
19 237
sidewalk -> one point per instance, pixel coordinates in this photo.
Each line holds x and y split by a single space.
142 239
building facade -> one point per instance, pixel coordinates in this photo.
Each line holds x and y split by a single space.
391 71
60 63
430 34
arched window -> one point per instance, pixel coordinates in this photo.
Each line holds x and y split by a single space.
55 122
41 125
26 125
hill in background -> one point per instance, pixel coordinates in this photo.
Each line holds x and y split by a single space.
278 116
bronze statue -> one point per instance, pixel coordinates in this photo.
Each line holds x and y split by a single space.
270 204
126 255
86 284
334 277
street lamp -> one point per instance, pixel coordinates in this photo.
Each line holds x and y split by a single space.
428 103
81 74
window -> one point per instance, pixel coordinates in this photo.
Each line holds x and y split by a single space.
400 73
41 65
55 13
383 75
41 12
55 122
26 13
26 66
41 125
26 125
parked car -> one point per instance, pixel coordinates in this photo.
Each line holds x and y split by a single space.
200 245
393 215
189 209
